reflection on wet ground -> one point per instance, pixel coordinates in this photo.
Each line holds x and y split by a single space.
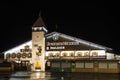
22 75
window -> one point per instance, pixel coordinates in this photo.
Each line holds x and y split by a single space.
50 54
64 54
23 55
57 54
13 55
86 54
8 55
18 55
71 54
29 55
94 53
79 54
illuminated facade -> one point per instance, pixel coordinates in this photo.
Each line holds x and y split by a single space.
62 52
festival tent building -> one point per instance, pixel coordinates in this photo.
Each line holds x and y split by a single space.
62 53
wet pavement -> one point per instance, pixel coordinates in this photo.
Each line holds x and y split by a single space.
25 75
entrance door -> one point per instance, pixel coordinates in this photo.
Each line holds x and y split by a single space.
24 65
37 65
47 65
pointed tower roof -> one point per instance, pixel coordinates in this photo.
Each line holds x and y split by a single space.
39 22
39 25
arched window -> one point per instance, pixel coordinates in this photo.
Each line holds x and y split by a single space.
64 54
57 54
94 53
23 55
71 54
79 54
29 55
50 54
8 55
18 55
86 54
13 55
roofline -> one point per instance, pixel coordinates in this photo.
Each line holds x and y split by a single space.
16 46
73 38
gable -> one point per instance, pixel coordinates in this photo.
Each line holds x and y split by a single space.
19 47
58 41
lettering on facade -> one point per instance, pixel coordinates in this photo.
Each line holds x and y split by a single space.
61 43
55 47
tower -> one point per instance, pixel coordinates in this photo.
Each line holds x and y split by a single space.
38 45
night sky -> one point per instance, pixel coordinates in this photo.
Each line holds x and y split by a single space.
97 22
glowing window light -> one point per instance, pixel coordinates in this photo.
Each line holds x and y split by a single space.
40 28
94 53
99 52
37 65
53 52
57 54
67 53
79 54
51 55
64 54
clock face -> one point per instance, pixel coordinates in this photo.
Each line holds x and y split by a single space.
55 37
36 36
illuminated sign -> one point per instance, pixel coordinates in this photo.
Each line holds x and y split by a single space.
61 43
64 42
53 47
66 46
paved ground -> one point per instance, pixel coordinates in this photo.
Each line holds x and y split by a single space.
23 75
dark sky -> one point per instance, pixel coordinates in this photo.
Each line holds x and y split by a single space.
97 22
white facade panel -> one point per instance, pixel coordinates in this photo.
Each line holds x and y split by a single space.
88 65
79 64
102 65
110 56
113 65
66 65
